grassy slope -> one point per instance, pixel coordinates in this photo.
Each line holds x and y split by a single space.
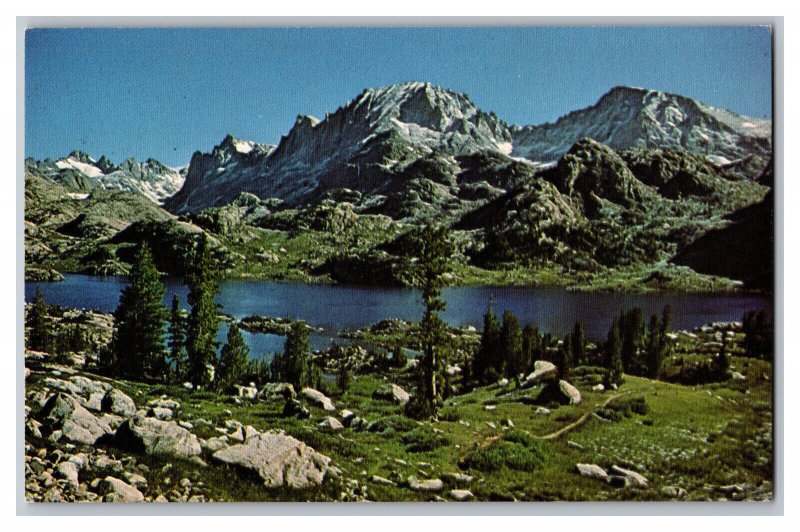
692 437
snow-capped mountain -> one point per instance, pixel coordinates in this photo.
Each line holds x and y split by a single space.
80 171
627 117
371 142
371 139
358 146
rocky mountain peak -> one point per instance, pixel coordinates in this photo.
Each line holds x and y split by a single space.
81 157
631 117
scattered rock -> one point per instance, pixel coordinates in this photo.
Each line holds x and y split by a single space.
116 490
461 495
542 371
250 432
68 471
163 402
87 387
60 385
213 445
675 492
347 417
376 479
575 445
118 403
635 478
277 389
331 424
598 388
136 480
592 471
561 392
93 402
459 479
164 414
76 423
247 392
156 437
319 399
391 392
279 459
433 485
542 411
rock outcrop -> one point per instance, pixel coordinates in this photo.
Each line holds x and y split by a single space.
156 437
279 459
391 392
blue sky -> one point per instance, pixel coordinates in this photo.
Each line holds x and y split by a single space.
164 93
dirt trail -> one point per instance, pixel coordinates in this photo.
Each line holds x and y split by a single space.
581 420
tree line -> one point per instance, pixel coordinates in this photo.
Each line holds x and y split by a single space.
508 351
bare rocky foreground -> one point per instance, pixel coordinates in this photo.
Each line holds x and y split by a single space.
84 436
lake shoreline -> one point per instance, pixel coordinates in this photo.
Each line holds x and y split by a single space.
338 308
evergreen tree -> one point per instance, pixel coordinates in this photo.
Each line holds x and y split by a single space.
296 350
666 320
483 367
633 330
343 378
658 346
138 343
531 345
566 357
277 368
579 344
511 347
39 335
233 360
177 340
614 354
203 323
399 359
258 370
435 249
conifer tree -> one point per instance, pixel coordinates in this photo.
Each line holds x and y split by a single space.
511 347
39 336
177 339
579 344
566 359
201 330
614 354
138 343
653 350
343 378
233 360
489 350
434 251
633 329
296 350
531 345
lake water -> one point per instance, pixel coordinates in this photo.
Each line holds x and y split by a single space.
335 308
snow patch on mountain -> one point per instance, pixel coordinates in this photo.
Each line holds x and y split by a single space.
78 170
85 168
